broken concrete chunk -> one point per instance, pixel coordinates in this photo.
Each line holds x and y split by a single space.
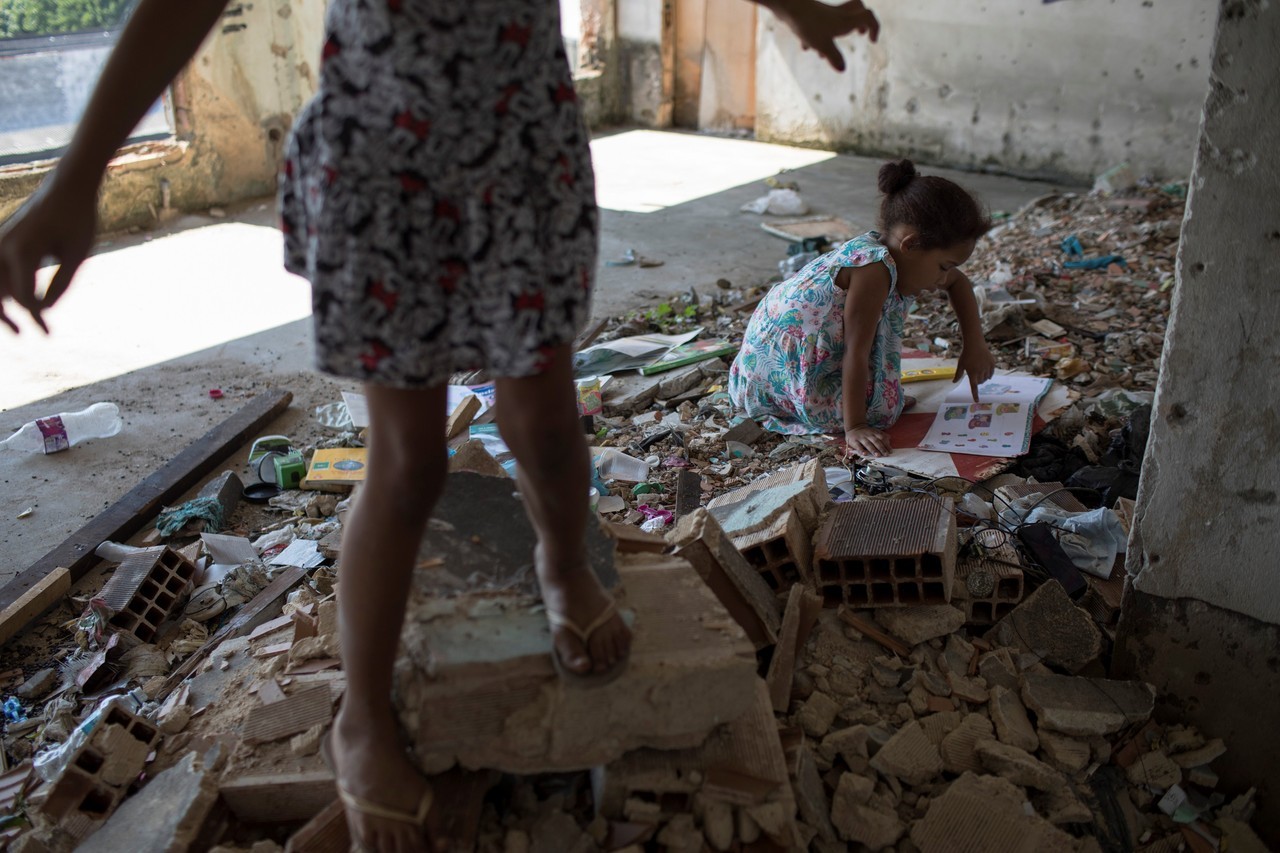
1011 722
717 825
1048 624
999 670
1018 766
297 713
169 813
38 685
476 682
938 725
970 689
699 539
1211 751
872 828
755 506
977 814
472 456
909 755
557 832
849 744
817 714
853 790
915 625
1086 706
955 658
741 763
1065 753
958 747
810 796
1154 770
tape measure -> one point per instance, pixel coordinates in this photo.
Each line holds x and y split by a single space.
924 374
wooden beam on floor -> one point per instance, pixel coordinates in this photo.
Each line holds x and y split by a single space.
133 511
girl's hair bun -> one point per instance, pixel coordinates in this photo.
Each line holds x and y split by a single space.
895 176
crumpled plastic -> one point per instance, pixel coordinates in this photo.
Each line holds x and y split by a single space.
1090 539
779 202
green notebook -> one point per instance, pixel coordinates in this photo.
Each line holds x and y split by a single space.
690 353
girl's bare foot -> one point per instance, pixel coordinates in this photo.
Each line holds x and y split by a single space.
370 763
575 593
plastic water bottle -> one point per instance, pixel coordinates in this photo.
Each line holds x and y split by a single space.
49 435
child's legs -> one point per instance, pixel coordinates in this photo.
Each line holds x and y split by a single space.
407 467
538 419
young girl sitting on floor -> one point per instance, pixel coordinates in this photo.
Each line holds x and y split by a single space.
822 352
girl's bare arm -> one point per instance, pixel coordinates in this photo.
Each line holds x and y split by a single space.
58 221
866 289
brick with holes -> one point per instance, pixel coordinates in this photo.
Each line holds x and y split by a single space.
988 586
146 589
887 553
771 521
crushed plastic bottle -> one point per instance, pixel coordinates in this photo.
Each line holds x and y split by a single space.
61 431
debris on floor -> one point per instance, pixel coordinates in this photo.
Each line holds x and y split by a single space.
826 656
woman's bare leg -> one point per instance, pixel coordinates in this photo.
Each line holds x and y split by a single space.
538 419
407 469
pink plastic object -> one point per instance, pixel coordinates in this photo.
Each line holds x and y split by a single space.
656 512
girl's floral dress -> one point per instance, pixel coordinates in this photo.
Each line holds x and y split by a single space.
788 373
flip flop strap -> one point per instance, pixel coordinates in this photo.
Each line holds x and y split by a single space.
372 809
559 620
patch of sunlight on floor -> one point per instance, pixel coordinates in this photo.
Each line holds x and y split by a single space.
148 303
641 171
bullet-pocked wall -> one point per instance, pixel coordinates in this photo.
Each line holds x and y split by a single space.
233 107
1053 89
1201 620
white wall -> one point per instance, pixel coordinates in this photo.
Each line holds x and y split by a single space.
640 20
1209 507
1057 89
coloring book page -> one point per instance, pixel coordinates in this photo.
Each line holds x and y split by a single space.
999 425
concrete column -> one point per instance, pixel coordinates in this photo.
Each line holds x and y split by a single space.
1202 620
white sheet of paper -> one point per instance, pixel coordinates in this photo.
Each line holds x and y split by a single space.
999 425
234 550
300 552
357 408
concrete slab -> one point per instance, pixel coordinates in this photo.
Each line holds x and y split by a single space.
475 683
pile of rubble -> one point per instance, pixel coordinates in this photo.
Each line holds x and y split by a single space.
886 673
1098 325
823 660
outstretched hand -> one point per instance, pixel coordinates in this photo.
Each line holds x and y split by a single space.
818 25
52 226
978 364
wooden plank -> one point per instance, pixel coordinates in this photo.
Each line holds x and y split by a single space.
871 631
279 797
31 604
462 416
133 511
459 800
589 334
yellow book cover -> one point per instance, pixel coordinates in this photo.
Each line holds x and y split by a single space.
340 465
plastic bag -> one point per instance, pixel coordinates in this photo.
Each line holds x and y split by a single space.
780 202
1090 539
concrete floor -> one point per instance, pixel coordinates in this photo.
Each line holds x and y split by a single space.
154 321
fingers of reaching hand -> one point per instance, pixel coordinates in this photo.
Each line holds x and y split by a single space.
61 281
827 47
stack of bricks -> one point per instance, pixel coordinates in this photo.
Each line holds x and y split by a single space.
100 772
146 589
771 521
887 553
988 586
